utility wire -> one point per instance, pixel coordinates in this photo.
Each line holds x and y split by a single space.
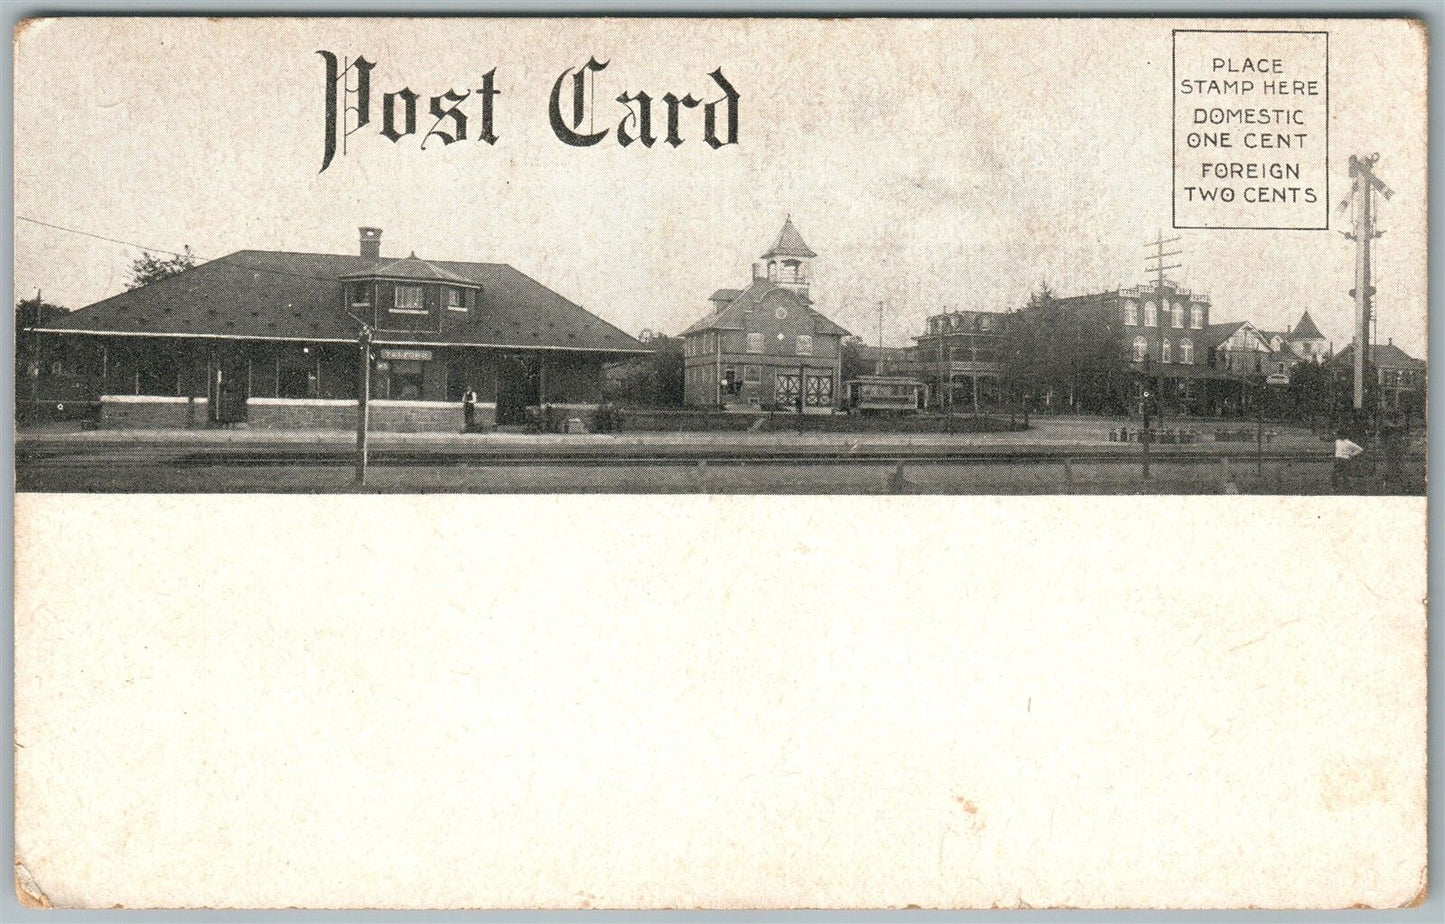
101 237
195 256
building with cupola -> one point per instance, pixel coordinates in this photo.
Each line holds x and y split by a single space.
765 345
1303 341
270 339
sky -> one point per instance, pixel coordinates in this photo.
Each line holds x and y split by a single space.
933 165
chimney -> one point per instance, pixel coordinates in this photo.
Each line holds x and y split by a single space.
370 243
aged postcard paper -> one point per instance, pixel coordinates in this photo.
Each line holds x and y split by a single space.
746 463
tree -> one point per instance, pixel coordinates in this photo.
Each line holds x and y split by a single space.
149 267
1070 349
654 380
31 313
1314 390
854 362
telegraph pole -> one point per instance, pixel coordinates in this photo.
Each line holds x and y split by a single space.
942 323
879 368
1363 186
1157 258
35 345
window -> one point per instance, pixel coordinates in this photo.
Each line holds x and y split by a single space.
158 372
454 300
361 293
1141 347
752 374
987 322
1178 314
755 342
805 345
1196 317
730 383
295 372
1151 315
1164 352
1131 314
1186 350
408 298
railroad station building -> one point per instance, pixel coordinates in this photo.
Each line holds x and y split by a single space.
270 339
765 345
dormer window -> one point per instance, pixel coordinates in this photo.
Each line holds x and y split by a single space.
360 294
409 298
454 300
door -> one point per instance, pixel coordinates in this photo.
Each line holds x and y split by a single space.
820 391
229 388
786 392
517 388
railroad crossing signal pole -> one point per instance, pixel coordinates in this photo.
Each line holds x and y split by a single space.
1363 186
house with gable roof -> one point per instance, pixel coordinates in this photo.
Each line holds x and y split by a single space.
1400 377
765 345
1303 341
1240 348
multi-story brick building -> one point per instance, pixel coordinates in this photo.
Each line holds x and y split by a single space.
765 345
1167 325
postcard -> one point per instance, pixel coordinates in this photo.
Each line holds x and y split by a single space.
720 463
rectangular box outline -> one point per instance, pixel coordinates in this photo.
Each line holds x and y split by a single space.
1174 141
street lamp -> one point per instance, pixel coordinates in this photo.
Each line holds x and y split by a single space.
1144 407
363 398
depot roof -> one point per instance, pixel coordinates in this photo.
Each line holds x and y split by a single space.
282 295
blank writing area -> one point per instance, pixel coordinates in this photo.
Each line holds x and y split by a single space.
720 702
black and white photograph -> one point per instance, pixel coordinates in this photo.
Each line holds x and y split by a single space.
562 276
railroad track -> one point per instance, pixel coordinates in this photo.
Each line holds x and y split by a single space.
122 454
